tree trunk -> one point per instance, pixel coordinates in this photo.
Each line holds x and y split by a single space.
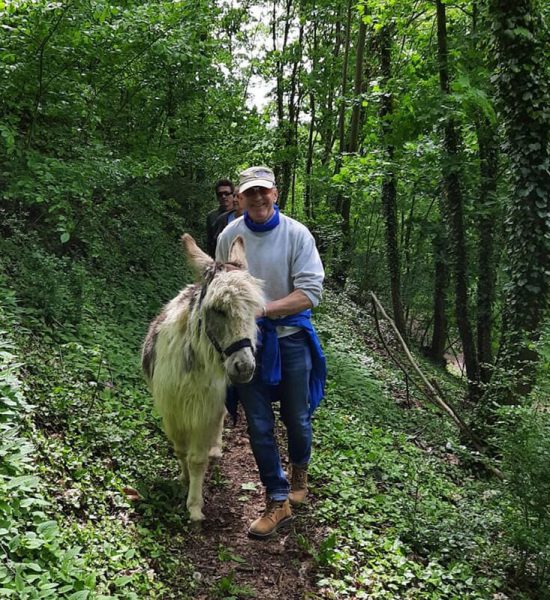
340 268
344 88
282 175
523 88
389 182
454 213
441 280
357 88
488 157
290 127
353 145
308 203
327 122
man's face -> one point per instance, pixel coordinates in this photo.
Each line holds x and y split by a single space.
225 197
238 204
259 203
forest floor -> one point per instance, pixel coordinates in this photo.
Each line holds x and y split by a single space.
397 510
224 557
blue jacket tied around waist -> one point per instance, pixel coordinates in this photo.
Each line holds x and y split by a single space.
271 358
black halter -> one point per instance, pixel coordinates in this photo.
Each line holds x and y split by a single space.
232 348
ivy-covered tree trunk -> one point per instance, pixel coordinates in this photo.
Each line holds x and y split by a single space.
524 93
389 181
487 224
454 213
441 281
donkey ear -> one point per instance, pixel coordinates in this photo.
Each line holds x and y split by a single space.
198 259
236 252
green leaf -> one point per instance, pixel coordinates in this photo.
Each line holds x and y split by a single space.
24 483
82 595
122 581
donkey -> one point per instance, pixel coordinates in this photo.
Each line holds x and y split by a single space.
201 340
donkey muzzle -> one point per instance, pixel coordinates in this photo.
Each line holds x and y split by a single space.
240 366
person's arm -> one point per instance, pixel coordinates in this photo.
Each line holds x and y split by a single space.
307 269
292 304
222 248
210 244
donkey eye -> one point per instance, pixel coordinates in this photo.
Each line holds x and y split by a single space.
219 313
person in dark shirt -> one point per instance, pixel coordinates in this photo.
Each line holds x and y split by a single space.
225 191
225 218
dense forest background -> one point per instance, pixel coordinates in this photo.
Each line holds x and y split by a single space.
412 137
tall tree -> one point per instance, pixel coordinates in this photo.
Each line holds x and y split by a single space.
389 180
455 209
290 148
343 94
487 224
308 201
441 282
524 91
487 139
282 122
344 200
288 96
328 121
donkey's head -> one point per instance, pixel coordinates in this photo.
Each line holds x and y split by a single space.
229 301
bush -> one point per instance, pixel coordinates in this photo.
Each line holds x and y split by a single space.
51 285
525 443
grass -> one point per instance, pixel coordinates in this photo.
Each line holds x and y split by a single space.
87 436
407 519
406 516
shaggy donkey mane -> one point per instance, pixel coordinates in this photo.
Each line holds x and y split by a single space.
201 340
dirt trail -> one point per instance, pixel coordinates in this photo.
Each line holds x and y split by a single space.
223 555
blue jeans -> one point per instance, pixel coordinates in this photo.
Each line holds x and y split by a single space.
293 393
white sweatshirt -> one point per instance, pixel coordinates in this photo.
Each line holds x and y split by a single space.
285 257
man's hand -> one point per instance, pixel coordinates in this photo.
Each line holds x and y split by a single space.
292 304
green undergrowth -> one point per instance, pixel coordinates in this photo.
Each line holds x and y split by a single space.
408 517
79 444
407 513
38 562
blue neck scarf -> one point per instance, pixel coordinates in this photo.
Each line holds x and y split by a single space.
270 224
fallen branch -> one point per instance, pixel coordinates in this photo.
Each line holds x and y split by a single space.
391 355
436 396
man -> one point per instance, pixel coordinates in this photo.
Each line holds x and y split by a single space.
225 218
290 365
224 193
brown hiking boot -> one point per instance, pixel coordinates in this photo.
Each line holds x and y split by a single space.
276 514
298 485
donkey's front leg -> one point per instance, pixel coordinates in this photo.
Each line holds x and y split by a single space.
181 454
216 450
197 463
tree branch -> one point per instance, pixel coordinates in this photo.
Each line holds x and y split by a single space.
435 396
